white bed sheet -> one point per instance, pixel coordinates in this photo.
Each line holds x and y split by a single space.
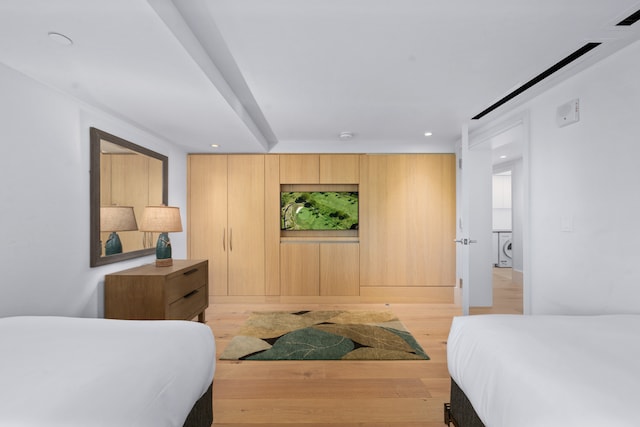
72 372
543 371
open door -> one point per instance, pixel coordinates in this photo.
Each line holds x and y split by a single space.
474 231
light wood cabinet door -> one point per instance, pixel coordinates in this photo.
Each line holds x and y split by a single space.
407 221
325 269
299 169
339 168
246 224
339 269
207 217
226 221
299 269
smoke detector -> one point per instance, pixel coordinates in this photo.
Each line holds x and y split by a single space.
60 38
345 136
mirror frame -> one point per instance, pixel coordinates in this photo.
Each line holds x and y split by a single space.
97 135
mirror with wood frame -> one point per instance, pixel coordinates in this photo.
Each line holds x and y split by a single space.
125 178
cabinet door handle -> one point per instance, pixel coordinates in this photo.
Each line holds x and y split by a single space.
231 239
188 272
224 238
190 294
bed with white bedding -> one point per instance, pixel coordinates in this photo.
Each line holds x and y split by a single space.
73 372
542 371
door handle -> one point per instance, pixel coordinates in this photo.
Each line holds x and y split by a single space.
231 239
465 241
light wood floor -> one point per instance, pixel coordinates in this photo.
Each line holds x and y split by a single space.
507 295
336 393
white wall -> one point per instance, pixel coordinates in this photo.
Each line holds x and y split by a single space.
517 204
585 177
44 199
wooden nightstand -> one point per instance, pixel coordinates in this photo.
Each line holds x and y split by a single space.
178 292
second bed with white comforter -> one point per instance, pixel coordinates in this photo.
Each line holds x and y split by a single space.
541 371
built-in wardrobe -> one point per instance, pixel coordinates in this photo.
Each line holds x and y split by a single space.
401 250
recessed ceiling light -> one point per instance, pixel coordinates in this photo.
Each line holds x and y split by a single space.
428 133
503 157
60 38
215 145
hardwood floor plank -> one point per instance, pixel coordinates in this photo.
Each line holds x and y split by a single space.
390 393
370 388
330 370
330 411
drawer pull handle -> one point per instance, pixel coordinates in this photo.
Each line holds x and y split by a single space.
190 294
188 272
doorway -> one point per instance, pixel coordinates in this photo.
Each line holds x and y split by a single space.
508 143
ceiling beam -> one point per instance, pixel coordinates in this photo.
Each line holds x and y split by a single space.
192 25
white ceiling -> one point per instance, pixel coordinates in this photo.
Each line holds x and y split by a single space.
290 75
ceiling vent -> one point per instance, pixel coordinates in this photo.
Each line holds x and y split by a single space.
629 20
566 61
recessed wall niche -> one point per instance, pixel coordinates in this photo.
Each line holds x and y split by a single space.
319 211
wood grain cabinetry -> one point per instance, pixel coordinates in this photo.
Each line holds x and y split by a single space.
403 247
319 168
226 220
245 200
178 292
299 269
299 168
339 168
339 269
319 269
407 220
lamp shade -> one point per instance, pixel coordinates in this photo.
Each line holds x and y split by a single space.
161 219
117 218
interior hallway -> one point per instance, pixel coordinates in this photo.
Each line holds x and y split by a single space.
507 294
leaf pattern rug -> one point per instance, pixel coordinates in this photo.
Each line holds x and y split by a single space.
323 335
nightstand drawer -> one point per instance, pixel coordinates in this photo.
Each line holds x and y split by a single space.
149 292
183 282
188 305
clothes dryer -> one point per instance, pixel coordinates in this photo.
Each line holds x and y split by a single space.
504 249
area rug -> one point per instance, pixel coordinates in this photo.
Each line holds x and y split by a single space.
323 335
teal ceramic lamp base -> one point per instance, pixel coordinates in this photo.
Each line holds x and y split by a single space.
113 245
163 251
163 220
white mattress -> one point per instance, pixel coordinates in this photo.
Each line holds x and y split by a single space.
544 371
71 372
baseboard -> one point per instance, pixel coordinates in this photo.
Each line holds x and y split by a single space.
407 294
369 294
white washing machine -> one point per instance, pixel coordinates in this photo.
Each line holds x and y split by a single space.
504 249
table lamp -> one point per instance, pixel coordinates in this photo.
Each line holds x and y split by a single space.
163 220
113 219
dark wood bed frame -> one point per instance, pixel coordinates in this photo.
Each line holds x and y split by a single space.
201 414
459 411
